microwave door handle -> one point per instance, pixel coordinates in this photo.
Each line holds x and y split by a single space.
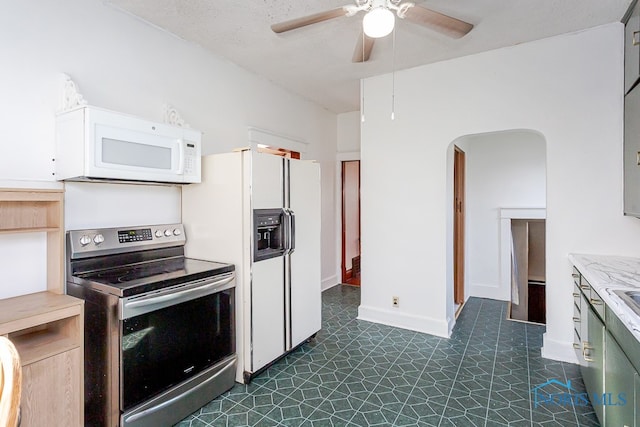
180 169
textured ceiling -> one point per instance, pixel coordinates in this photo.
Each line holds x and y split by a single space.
315 61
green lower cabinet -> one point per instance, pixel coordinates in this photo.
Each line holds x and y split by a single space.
593 362
636 399
621 382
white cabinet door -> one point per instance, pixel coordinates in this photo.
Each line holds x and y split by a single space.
267 312
305 260
266 181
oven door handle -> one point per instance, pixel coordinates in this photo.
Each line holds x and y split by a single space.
136 307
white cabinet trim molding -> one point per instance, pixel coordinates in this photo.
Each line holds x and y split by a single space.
261 137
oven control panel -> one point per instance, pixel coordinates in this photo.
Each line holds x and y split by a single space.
136 235
103 241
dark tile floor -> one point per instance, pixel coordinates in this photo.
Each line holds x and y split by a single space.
364 374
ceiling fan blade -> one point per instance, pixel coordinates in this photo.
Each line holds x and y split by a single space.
361 54
444 24
308 20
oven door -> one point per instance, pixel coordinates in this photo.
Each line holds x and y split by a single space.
171 335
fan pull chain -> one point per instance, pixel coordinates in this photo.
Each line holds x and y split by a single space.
362 84
362 100
393 77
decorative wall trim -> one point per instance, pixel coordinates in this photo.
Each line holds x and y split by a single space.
558 350
172 117
523 213
427 325
345 156
269 138
71 97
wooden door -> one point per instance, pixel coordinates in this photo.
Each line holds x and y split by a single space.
351 222
458 225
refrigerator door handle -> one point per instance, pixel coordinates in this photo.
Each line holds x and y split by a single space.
287 231
292 231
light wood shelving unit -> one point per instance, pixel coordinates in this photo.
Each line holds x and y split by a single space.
46 327
30 211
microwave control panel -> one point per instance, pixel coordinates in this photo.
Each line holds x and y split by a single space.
190 157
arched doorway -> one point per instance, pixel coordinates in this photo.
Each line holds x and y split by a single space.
502 170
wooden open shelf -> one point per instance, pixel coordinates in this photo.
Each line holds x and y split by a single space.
31 211
41 324
46 327
27 230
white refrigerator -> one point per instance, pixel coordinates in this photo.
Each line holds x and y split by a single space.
278 299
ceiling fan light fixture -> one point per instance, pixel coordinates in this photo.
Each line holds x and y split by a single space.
378 22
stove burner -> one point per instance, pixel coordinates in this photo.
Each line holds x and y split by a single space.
126 279
134 272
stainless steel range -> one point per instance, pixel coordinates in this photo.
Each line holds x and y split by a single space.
159 327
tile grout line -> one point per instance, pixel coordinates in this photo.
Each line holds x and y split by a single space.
387 371
320 366
371 325
279 373
573 406
416 384
341 382
460 365
526 340
493 370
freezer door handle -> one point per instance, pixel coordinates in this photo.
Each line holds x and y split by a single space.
286 223
292 231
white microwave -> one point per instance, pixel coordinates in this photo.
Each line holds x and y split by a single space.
97 144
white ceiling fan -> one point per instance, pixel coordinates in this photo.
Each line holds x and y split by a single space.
380 20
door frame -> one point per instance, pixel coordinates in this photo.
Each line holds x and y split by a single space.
343 258
459 203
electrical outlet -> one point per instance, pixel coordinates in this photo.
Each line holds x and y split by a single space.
395 301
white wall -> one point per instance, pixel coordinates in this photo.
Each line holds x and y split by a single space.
123 64
348 148
567 88
349 132
503 170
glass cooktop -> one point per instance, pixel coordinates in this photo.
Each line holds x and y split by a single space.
148 276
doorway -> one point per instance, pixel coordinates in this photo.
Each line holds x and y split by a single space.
351 222
528 275
458 227
504 179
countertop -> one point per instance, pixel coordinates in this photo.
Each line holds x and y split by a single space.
606 273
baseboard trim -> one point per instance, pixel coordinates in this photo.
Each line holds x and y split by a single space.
427 325
329 282
558 350
488 291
